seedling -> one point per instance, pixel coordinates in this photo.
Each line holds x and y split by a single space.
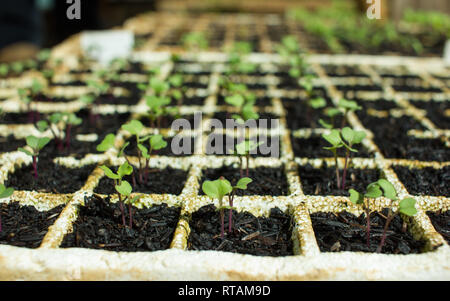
346 138
244 101
4 70
331 113
290 51
237 58
243 149
347 106
194 41
28 95
36 145
220 188
4 193
156 143
60 124
377 189
350 138
97 88
122 187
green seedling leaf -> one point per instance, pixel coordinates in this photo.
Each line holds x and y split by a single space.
176 80
125 170
158 85
356 197
177 94
135 199
122 150
42 125
317 103
107 143
32 142
407 206
349 105
144 151
325 124
295 72
217 189
331 112
242 183
388 188
5 192
43 142
74 119
236 100
248 112
134 127
87 99
334 138
23 150
124 188
156 102
109 173
157 142
373 191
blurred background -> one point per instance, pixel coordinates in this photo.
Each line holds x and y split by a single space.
29 25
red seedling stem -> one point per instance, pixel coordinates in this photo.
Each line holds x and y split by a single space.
386 226
344 175
68 133
222 223
230 215
35 167
131 215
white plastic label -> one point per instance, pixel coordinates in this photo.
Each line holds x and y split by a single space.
107 45
447 53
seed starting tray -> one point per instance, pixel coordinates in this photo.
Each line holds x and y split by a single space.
337 76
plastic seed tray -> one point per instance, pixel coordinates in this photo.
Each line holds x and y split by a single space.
382 85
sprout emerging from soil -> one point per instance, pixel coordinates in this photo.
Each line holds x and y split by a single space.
135 128
220 188
4 193
159 102
97 88
377 189
290 51
347 106
194 41
60 124
28 95
123 188
243 101
36 145
346 138
237 58
243 149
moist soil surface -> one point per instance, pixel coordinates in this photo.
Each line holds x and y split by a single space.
78 149
266 181
393 141
261 236
101 124
99 226
322 181
301 115
213 146
24 226
425 181
435 112
441 222
165 181
10 144
347 232
52 178
16 118
313 147
131 149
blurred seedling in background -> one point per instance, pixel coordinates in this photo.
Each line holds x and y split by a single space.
60 124
97 88
28 95
347 106
194 41
377 189
244 149
33 148
290 52
220 188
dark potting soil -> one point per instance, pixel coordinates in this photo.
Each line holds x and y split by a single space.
166 121
117 100
194 101
99 226
101 124
260 101
78 149
266 181
322 181
15 118
392 139
436 112
221 145
223 116
425 181
313 147
301 115
261 236
165 181
131 149
53 178
379 104
24 226
441 222
347 232
10 144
